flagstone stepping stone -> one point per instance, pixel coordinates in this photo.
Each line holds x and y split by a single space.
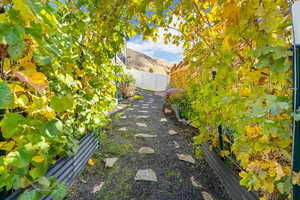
143 111
163 120
147 150
172 132
130 108
195 183
123 129
109 162
186 158
141 124
145 135
143 116
206 196
120 107
97 187
145 175
124 117
176 144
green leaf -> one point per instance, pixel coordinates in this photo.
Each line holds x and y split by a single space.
3 29
11 34
30 195
52 128
14 16
44 182
37 172
15 159
16 50
26 152
61 104
59 192
6 100
42 59
21 157
18 181
10 125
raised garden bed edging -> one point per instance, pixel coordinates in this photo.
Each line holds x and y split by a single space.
67 169
227 177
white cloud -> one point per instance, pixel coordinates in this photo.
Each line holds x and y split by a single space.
150 46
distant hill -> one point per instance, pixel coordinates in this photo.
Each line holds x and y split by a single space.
142 62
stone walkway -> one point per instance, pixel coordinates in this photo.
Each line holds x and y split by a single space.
145 155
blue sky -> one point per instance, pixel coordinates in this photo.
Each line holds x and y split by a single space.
168 52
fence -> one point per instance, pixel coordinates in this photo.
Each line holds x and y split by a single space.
149 81
66 169
144 80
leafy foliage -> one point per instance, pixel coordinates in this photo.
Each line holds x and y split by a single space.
57 78
183 102
238 54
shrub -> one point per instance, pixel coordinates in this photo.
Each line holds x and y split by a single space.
183 102
127 85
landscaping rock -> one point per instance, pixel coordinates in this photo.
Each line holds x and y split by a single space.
109 162
172 132
123 129
145 135
143 111
143 116
163 120
141 124
195 183
146 150
146 175
206 196
97 188
176 144
186 158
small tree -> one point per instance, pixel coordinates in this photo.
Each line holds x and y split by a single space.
151 70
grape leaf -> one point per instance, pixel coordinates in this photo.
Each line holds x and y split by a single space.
6 100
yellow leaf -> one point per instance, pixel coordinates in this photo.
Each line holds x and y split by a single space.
48 112
244 92
3 18
36 79
296 178
25 11
29 66
92 161
280 172
7 146
224 153
268 186
22 100
38 159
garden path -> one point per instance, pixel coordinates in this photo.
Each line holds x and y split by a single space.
151 158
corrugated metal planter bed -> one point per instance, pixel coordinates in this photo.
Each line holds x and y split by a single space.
230 180
67 169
